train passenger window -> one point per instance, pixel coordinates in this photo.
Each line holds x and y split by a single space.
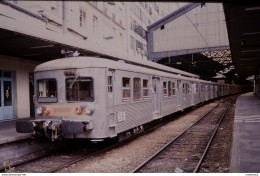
126 89
109 84
169 89
145 89
47 91
80 89
184 88
137 89
165 89
173 88
196 88
188 88
202 88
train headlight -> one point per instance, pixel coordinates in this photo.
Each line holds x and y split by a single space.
88 110
40 110
79 110
46 111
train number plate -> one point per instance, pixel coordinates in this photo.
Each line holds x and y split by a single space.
120 116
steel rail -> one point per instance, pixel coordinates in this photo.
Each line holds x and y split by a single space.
139 167
211 139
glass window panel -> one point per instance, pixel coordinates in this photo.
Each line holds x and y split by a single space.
145 89
126 89
7 74
137 89
165 89
169 89
8 93
80 89
47 90
173 88
110 85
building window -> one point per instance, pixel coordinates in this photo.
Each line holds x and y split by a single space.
95 24
165 89
145 89
169 89
94 3
82 18
137 89
126 86
105 8
109 84
156 8
132 44
113 17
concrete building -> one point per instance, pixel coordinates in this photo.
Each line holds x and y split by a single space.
32 32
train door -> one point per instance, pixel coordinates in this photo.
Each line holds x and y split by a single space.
31 92
207 92
110 89
192 92
156 97
179 94
6 95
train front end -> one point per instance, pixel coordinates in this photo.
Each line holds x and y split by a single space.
64 106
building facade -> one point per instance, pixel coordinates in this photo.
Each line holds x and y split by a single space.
115 29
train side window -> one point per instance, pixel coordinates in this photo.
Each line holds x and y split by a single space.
188 88
137 89
173 88
126 86
165 89
202 88
184 88
169 89
145 89
196 88
109 84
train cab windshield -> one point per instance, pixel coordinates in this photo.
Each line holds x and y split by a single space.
47 91
79 89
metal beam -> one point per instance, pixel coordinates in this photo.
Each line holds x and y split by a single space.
156 56
183 10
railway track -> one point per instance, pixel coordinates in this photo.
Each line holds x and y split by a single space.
186 152
72 153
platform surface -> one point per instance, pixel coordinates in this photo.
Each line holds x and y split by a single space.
246 136
8 132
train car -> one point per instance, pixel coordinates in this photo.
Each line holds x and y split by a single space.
97 98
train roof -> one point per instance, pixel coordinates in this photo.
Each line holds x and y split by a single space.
97 62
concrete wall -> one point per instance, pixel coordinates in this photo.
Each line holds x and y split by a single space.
21 69
89 35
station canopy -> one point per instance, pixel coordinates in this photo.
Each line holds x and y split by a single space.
195 33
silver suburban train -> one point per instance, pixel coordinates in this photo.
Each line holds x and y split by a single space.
97 98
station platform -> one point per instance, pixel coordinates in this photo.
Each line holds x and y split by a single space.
8 132
246 135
